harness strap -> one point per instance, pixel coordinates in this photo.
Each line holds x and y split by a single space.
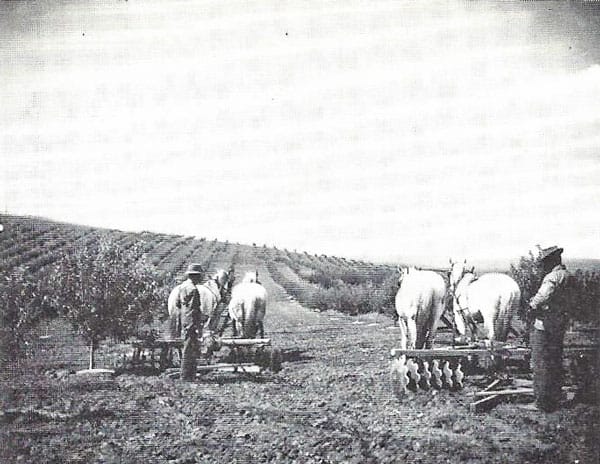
467 316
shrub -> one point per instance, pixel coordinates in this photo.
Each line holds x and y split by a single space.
583 297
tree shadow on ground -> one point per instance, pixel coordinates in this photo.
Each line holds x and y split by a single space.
139 370
223 378
295 355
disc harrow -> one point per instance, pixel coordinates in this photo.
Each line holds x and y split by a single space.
444 368
413 374
244 355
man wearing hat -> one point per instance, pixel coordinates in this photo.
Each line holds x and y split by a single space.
186 300
548 308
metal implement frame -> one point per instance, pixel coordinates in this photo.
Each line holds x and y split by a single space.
160 353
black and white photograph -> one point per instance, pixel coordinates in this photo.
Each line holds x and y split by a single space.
299 231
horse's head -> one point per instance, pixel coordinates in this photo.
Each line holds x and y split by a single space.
251 276
404 272
222 279
457 272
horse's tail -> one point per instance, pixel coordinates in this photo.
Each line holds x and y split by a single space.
505 310
253 316
437 308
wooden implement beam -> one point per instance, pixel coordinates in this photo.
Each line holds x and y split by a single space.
484 403
514 391
507 351
229 367
245 341
443 352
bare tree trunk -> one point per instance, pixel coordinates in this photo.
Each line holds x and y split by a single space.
92 353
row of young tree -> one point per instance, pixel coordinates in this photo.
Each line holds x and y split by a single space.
104 290
359 298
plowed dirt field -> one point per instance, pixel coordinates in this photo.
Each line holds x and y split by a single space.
331 403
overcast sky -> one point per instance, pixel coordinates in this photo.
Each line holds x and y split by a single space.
379 130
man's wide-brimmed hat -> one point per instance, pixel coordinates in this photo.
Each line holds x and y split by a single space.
551 251
194 268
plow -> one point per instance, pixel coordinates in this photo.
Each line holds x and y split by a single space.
419 370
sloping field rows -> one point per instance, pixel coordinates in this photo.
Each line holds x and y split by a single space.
174 261
31 244
349 298
36 243
323 282
327 271
303 291
163 249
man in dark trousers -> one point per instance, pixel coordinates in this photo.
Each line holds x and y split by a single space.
187 301
547 333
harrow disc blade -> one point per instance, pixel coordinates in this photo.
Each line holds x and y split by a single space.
447 374
399 376
436 373
425 376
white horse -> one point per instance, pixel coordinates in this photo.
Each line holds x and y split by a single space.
420 305
247 309
494 296
212 292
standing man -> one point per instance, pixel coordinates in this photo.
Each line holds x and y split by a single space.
185 303
550 312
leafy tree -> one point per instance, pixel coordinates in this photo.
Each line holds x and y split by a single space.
528 274
107 291
22 304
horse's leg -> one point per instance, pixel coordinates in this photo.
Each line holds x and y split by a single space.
224 326
403 335
243 322
411 327
421 329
